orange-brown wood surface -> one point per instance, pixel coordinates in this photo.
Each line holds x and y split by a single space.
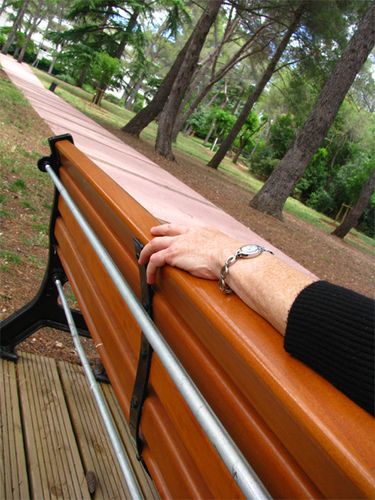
302 436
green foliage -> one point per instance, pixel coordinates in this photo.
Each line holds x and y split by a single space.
67 78
224 121
244 138
104 69
112 98
281 135
75 59
314 177
44 64
177 14
200 122
139 102
262 161
321 201
89 88
350 179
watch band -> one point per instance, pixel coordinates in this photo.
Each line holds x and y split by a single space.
244 252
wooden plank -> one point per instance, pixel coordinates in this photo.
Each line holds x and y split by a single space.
54 462
96 451
144 479
13 472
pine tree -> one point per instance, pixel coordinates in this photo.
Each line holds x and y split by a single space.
274 193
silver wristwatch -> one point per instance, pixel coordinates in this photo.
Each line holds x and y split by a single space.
244 252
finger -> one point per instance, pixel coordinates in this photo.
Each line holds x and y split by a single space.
157 260
169 230
155 245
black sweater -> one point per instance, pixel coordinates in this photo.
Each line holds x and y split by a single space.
331 329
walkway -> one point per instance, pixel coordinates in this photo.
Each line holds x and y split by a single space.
159 192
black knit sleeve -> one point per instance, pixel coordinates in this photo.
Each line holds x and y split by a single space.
331 329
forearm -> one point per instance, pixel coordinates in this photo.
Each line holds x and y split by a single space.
268 285
265 283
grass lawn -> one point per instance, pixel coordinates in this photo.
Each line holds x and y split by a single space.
25 192
116 116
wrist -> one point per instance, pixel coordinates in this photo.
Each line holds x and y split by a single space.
246 252
222 255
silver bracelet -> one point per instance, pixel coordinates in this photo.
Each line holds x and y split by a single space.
244 252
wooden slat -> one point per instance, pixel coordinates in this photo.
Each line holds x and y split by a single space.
13 472
96 451
55 466
144 479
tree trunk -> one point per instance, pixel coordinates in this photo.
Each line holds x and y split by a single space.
202 71
15 28
238 153
210 132
82 76
183 117
125 38
274 193
244 142
36 21
253 97
351 220
151 111
52 65
215 77
99 94
30 33
130 100
163 144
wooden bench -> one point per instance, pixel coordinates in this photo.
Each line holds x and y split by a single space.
301 435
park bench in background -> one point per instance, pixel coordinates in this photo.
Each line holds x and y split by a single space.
302 437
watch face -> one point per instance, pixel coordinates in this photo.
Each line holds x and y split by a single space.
250 250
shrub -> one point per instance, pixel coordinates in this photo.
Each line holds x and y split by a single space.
139 103
200 122
367 221
113 99
281 135
263 166
315 176
321 201
89 88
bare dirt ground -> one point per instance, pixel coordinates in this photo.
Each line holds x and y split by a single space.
327 256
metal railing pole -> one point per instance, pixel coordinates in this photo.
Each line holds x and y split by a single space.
126 468
242 473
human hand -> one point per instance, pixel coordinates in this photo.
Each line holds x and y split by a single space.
199 250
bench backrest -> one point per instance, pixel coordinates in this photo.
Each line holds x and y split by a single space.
302 436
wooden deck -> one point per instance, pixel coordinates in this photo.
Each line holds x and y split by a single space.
53 444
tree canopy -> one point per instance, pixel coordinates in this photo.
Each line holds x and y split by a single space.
245 85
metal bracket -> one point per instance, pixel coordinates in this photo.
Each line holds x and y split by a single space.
54 159
44 309
144 362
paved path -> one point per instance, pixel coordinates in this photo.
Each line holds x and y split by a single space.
159 192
